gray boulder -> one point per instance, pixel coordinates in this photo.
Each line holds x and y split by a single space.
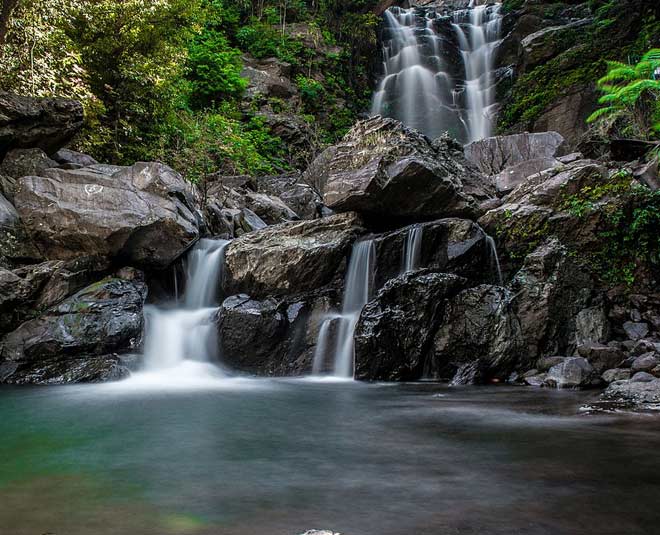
645 363
45 123
512 176
144 214
479 325
383 169
573 372
68 156
642 377
601 357
615 374
290 257
636 330
294 192
395 331
25 162
76 339
635 393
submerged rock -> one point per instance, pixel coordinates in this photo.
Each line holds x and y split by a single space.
144 214
395 331
75 340
291 257
383 169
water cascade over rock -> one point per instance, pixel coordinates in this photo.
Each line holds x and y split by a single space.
336 333
438 70
184 337
413 248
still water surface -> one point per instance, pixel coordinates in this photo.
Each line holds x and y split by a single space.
245 457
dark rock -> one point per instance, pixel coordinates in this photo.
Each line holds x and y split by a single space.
8 187
616 374
591 326
479 325
536 380
601 357
144 214
635 330
383 169
512 176
68 156
294 192
268 77
470 373
395 331
545 363
290 257
45 123
495 154
26 162
633 392
70 341
627 150
642 377
270 209
573 372
645 363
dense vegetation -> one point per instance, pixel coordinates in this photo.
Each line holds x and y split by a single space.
161 79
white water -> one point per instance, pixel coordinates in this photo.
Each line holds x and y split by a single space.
180 343
412 248
495 259
418 86
337 330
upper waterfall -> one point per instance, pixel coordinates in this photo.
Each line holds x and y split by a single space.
438 70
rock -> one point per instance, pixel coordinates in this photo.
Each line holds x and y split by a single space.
512 176
230 222
627 150
45 123
144 214
68 156
294 192
635 330
642 377
600 356
9 217
644 346
545 363
23 162
550 290
71 340
470 373
570 158
290 257
536 380
615 374
479 325
385 170
268 77
449 245
645 363
591 326
8 187
395 331
495 154
633 392
573 372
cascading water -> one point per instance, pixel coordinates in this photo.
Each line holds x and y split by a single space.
495 259
183 338
359 283
425 85
412 248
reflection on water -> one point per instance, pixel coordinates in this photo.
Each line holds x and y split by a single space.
286 456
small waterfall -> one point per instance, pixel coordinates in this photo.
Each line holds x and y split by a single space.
495 259
187 333
359 283
412 248
421 85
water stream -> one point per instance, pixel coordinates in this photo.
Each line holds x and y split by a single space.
412 248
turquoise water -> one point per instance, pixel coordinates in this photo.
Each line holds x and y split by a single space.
281 457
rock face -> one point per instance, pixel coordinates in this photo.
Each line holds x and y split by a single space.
478 328
395 331
383 169
290 257
47 123
495 154
74 340
144 214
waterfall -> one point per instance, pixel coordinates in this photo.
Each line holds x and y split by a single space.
187 333
495 259
358 287
421 85
412 248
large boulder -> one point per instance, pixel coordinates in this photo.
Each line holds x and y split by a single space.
45 123
290 257
268 78
144 214
72 157
77 339
572 372
23 162
449 245
636 393
495 154
294 192
385 170
479 329
395 331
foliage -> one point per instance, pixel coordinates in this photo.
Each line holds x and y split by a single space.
628 92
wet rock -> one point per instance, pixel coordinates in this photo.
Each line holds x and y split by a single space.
470 373
645 363
600 356
290 257
68 156
495 154
45 123
573 372
449 245
536 379
616 374
383 169
642 377
70 341
635 330
144 214
633 392
294 192
591 326
512 176
479 325
23 162
395 331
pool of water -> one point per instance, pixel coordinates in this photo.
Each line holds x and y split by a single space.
280 457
